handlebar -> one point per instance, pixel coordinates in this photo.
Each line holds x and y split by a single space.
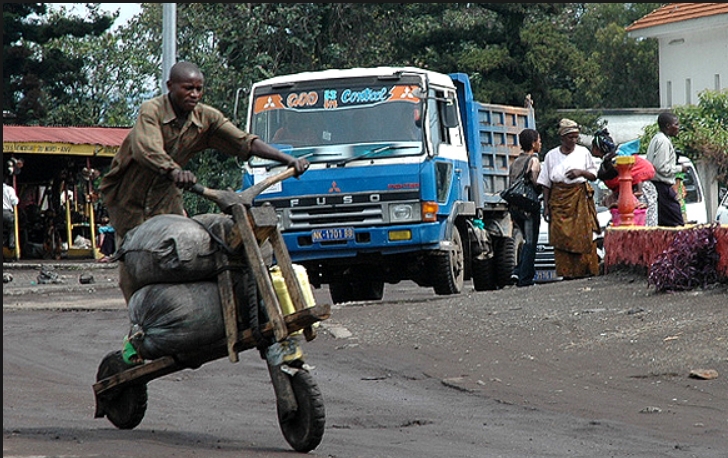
225 199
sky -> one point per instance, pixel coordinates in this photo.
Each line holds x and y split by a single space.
126 10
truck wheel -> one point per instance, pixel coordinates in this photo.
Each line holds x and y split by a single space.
505 259
358 290
125 409
304 430
368 290
448 268
483 274
341 291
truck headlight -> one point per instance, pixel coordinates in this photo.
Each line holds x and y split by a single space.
402 212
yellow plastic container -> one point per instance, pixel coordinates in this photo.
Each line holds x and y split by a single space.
284 298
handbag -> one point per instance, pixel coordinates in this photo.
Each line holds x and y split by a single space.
522 194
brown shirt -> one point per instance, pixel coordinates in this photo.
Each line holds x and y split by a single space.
137 186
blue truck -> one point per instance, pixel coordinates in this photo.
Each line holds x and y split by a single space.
406 170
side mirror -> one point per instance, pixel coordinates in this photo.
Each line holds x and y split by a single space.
450 116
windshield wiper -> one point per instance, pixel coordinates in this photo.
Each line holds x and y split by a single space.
269 167
374 152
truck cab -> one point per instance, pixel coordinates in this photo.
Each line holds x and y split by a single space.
393 191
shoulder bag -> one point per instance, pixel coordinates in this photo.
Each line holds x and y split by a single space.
521 193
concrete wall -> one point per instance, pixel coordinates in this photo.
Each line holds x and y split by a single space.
693 57
691 62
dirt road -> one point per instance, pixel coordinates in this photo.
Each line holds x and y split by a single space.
596 367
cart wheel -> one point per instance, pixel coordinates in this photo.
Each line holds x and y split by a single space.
305 429
126 408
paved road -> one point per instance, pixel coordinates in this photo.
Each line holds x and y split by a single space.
584 368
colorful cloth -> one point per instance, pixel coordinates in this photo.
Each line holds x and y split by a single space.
649 198
573 223
642 170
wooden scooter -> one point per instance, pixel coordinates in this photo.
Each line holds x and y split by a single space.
121 388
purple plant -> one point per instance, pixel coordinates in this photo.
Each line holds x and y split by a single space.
688 263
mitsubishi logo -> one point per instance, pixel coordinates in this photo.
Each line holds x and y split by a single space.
407 94
334 187
269 103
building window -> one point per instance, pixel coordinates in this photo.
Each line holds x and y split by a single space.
717 82
688 92
668 94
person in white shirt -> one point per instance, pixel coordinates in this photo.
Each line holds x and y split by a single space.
569 204
10 200
661 153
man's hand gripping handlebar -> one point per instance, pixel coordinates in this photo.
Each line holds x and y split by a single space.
226 199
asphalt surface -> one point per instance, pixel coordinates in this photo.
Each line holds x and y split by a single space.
591 367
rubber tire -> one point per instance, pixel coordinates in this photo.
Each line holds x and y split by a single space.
505 260
368 290
305 429
341 292
360 290
484 274
124 409
448 270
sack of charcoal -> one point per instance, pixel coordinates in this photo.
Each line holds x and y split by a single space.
171 319
173 249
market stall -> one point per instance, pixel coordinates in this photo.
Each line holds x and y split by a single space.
55 172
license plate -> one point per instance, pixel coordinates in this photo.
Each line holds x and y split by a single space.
546 275
332 234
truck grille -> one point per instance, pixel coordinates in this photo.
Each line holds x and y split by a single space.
297 219
337 210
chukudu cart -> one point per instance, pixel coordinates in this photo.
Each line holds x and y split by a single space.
121 388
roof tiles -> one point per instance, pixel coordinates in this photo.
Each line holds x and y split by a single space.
678 12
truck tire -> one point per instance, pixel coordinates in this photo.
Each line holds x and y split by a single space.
369 290
484 274
505 260
341 291
358 290
448 268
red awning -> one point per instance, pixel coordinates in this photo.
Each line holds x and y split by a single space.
104 136
47 151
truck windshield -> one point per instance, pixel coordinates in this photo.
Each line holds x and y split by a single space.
338 123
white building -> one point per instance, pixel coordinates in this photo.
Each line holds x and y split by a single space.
693 49
693 53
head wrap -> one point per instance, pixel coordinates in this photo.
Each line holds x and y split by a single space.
567 126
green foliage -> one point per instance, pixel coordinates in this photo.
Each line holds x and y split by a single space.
627 68
33 74
565 55
214 170
703 132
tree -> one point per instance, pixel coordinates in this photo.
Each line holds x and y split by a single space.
703 132
628 68
564 55
31 73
